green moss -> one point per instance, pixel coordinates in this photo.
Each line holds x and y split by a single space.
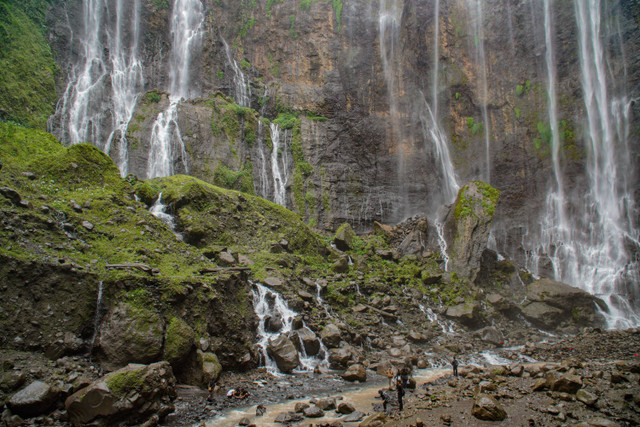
179 339
241 180
519 90
122 383
153 96
27 68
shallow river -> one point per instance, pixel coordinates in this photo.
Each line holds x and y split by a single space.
362 399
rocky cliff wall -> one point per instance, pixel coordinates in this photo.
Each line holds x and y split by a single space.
362 76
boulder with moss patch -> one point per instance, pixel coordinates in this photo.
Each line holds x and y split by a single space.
135 393
467 226
178 342
130 334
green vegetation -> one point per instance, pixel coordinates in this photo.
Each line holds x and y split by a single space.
473 126
519 90
27 69
245 64
516 111
241 180
466 203
247 26
160 4
153 96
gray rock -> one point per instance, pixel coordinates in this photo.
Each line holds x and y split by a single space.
344 237
542 315
355 372
284 353
326 403
341 265
345 408
301 406
487 408
313 412
130 335
309 340
586 397
273 282
11 194
87 225
33 400
354 417
565 383
288 418
465 313
331 336
467 226
226 259
339 358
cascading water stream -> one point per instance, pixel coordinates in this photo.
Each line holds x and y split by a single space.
166 144
159 211
97 318
241 85
280 164
589 250
105 83
278 307
477 27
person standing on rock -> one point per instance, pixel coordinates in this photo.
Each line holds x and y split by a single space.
402 381
454 363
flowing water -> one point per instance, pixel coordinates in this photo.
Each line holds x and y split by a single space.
159 211
362 399
166 146
240 83
588 248
97 318
280 163
268 303
105 82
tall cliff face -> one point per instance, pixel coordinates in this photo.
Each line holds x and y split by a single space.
365 111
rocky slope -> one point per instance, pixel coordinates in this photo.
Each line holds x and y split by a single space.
89 272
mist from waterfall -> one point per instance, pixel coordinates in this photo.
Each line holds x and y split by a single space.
105 82
166 145
589 248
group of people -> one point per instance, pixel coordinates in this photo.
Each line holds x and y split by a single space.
401 382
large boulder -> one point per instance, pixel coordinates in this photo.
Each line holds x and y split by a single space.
178 342
487 408
33 400
308 340
331 336
466 313
135 393
467 226
344 237
356 372
550 303
284 353
130 334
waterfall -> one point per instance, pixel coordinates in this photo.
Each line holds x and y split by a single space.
267 302
280 164
477 23
105 82
431 124
166 145
159 211
442 243
241 85
97 318
589 250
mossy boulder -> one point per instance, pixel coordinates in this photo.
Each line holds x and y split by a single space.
344 237
467 227
178 342
110 398
130 334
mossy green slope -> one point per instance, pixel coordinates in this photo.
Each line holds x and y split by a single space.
27 68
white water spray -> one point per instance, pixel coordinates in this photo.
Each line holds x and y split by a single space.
105 83
278 307
166 145
280 164
240 83
589 250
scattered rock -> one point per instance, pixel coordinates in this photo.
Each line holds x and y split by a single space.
487 408
284 353
355 372
313 412
331 336
33 400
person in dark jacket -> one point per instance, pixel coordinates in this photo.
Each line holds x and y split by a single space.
402 381
454 364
